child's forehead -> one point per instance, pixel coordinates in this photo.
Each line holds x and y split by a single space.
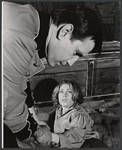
66 85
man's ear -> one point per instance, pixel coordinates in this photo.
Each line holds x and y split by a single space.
65 30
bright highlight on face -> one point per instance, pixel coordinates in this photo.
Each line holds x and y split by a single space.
65 96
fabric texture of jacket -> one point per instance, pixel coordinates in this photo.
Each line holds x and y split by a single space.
73 127
20 26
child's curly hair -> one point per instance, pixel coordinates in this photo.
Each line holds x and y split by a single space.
77 92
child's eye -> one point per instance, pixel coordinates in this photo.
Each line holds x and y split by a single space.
70 92
60 91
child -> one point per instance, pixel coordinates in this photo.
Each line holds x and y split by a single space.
72 124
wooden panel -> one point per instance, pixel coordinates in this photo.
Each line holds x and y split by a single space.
106 88
107 63
107 75
111 54
79 76
97 75
80 65
90 77
102 97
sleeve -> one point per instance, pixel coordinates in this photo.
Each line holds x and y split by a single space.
29 129
74 137
19 26
17 52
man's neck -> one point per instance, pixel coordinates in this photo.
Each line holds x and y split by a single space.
43 33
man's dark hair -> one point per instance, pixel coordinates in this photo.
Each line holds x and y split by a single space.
85 21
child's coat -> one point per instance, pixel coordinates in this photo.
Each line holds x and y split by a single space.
73 127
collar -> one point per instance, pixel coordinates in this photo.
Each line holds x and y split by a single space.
60 110
43 33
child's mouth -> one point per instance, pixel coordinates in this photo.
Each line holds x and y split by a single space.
64 100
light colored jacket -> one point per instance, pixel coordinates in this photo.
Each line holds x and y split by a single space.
73 127
20 25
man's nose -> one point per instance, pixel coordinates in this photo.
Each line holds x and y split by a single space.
72 60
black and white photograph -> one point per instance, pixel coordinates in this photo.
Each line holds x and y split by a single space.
60 74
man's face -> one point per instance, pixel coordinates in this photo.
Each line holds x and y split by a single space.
63 50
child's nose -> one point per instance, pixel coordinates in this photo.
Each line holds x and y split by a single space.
65 94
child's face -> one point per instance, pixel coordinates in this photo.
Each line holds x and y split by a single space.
65 96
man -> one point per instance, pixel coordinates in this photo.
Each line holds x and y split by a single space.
66 35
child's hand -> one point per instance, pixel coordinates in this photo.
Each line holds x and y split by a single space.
36 118
43 136
55 138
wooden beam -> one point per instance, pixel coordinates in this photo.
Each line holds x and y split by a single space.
90 98
90 77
